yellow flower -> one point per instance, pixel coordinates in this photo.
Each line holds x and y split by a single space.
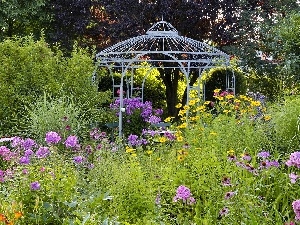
186 107
168 119
180 138
178 105
182 112
226 111
230 152
255 103
217 90
243 97
229 96
206 102
18 215
162 139
149 152
129 150
267 117
192 102
2 217
133 154
180 157
237 100
158 159
183 125
213 133
198 148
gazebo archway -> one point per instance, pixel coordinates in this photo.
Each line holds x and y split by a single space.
162 48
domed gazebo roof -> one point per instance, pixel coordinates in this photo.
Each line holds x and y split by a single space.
162 39
161 47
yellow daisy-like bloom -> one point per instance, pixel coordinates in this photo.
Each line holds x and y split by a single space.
192 102
230 152
178 105
129 150
158 159
180 157
162 139
213 133
184 125
179 138
267 117
229 96
219 98
186 107
181 112
243 97
217 90
168 119
18 215
226 111
201 108
134 155
206 103
255 103
237 101
149 152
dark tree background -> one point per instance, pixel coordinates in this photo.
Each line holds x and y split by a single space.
199 20
237 27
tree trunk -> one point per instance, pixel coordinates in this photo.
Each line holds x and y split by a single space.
170 78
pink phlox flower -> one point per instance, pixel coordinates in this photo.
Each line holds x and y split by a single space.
52 138
183 193
293 177
296 208
71 141
294 160
42 152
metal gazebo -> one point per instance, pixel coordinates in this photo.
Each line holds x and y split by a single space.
160 47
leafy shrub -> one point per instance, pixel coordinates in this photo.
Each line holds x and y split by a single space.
216 78
286 121
30 69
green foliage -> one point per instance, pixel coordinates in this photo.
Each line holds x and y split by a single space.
215 78
31 68
61 115
218 161
286 122
282 43
154 89
21 17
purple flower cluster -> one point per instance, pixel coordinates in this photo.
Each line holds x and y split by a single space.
134 140
296 208
6 175
52 138
78 159
6 153
42 152
35 186
71 141
183 193
28 144
95 134
131 105
264 162
294 160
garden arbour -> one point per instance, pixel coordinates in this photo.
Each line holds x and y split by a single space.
168 52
